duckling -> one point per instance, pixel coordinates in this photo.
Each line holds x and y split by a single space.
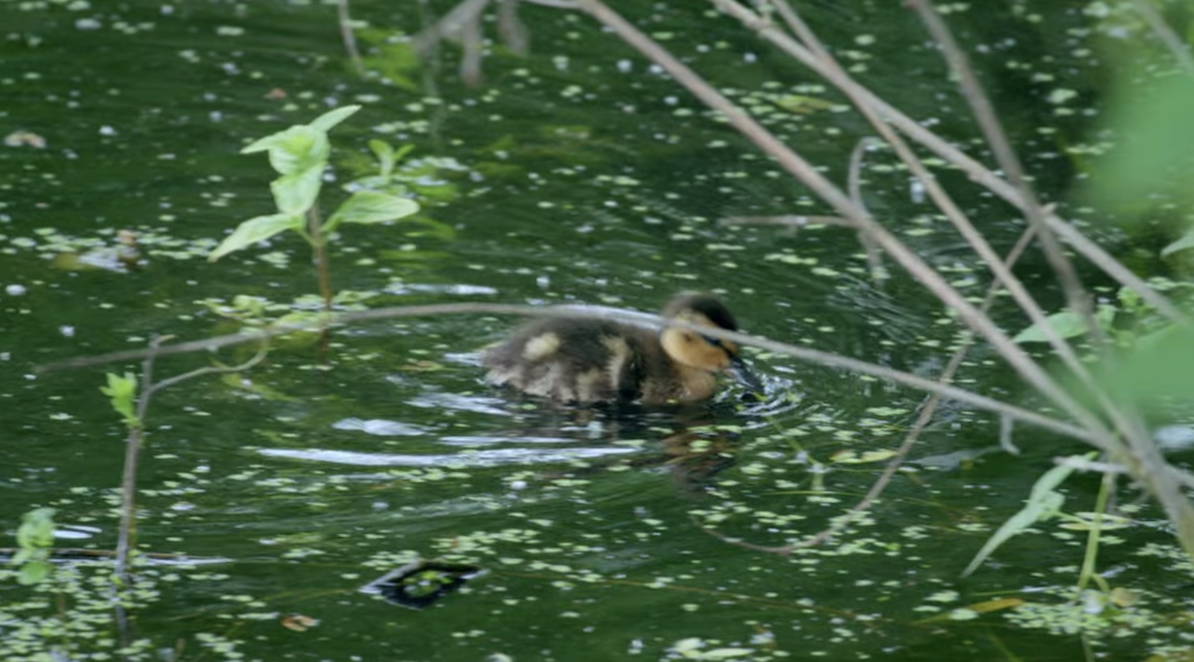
588 360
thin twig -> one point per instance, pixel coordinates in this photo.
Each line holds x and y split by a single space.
804 353
348 36
980 106
1028 369
922 420
132 449
874 257
946 150
1144 454
1175 44
1003 274
128 489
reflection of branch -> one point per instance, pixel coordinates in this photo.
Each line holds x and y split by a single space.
463 24
791 221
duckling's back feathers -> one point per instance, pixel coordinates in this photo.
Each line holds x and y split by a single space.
578 360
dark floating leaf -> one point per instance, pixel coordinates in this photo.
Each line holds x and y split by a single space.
422 583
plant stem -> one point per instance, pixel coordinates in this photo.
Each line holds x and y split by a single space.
319 247
128 482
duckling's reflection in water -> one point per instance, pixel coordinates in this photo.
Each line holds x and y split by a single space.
692 443
630 376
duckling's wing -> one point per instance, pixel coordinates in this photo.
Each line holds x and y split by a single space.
572 360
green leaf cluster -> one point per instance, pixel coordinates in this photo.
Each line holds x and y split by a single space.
300 155
122 391
35 537
1152 357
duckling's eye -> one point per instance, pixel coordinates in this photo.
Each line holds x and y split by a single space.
716 342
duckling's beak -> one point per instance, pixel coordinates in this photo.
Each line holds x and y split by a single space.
742 374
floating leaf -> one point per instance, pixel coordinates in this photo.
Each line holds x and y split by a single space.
852 457
255 230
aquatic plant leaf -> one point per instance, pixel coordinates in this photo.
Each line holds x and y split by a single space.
294 150
37 528
1158 370
255 230
34 572
385 157
372 207
1153 156
296 193
326 121
35 537
122 391
1044 502
1186 241
1066 324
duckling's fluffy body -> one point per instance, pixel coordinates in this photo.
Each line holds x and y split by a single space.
592 360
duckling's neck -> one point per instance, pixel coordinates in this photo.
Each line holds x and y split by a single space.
697 384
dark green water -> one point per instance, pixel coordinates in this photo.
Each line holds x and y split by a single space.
577 175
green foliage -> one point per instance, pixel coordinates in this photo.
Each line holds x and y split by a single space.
35 537
371 207
1152 360
1066 324
300 155
1158 371
1154 153
1044 502
122 391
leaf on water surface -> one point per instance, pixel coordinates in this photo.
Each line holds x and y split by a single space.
371 207
853 457
1044 502
997 604
255 230
299 622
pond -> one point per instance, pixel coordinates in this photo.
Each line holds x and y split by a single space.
575 174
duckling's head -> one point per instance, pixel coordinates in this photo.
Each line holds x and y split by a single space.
695 350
